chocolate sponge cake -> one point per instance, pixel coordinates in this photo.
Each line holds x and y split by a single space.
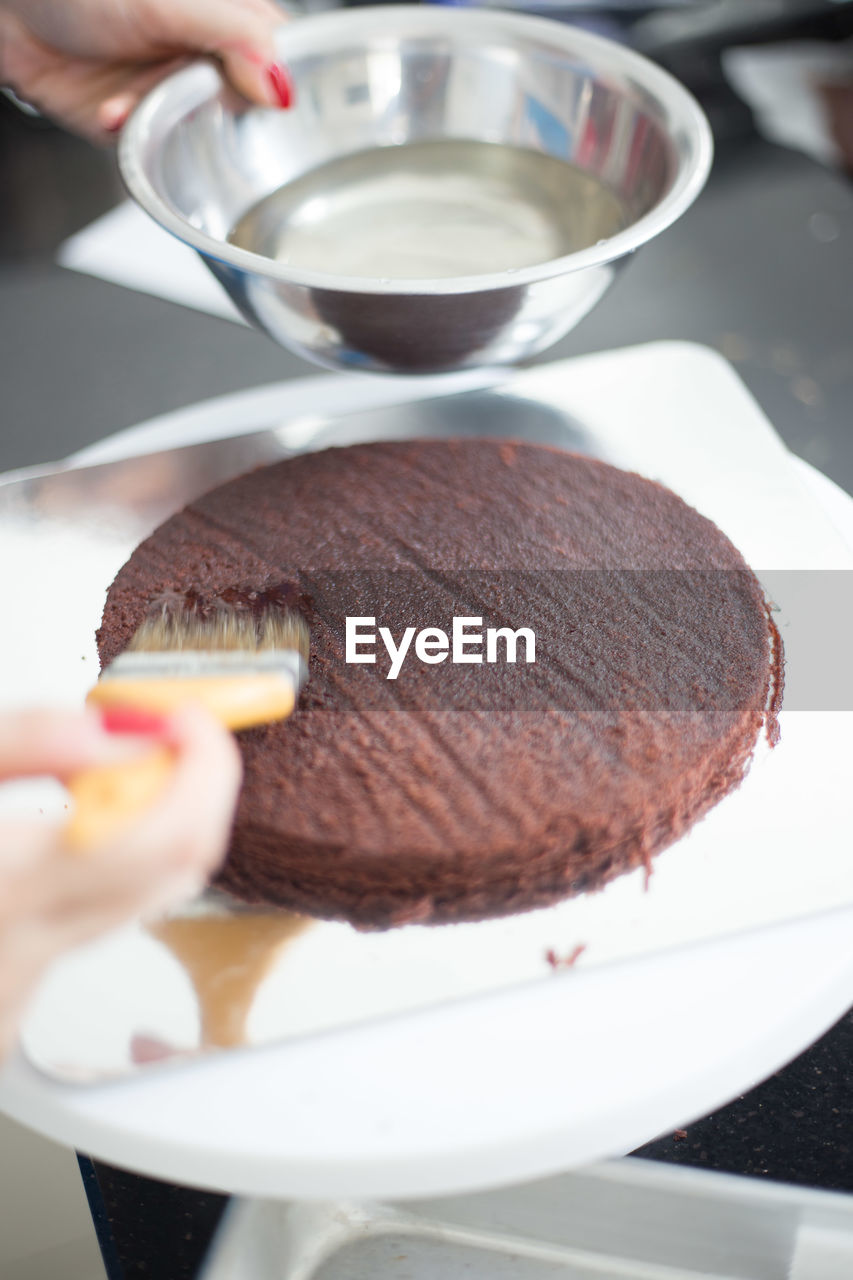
466 784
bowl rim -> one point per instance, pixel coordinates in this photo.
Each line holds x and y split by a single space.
606 55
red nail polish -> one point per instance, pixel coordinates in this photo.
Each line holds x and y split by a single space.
281 83
133 720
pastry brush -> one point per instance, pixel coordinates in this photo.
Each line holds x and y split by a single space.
244 670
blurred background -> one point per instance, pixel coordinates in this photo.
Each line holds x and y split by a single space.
774 76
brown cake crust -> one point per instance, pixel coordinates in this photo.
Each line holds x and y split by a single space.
460 792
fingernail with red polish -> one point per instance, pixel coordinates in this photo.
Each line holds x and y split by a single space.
133 720
114 121
281 83
113 114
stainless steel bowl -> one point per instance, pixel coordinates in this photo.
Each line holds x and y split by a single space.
197 157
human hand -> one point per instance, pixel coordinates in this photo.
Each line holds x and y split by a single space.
52 899
88 62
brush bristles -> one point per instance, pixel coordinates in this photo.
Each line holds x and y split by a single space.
224 629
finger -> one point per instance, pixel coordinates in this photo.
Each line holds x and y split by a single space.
261 80
111 113
241 33
50 901
191 824
40 742
166 855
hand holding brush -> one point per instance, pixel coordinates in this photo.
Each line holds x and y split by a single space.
50 902
242 670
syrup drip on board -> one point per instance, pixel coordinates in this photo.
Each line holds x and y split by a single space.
226 959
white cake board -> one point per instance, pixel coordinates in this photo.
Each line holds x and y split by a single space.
543 1077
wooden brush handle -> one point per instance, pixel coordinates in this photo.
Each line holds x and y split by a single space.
238 702
107 799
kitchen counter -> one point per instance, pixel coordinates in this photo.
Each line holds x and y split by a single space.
761 268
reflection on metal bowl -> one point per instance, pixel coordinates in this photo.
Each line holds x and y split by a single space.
453 188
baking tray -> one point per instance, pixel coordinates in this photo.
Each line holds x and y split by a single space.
133 999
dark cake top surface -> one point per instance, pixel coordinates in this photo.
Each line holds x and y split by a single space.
458 790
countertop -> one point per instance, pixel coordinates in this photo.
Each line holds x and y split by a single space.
761 268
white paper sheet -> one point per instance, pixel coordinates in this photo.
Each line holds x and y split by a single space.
779 83
127 247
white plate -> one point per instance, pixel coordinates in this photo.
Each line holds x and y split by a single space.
555 1074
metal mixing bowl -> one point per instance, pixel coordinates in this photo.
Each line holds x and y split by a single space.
197 157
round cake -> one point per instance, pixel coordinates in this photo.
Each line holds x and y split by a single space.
442 780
